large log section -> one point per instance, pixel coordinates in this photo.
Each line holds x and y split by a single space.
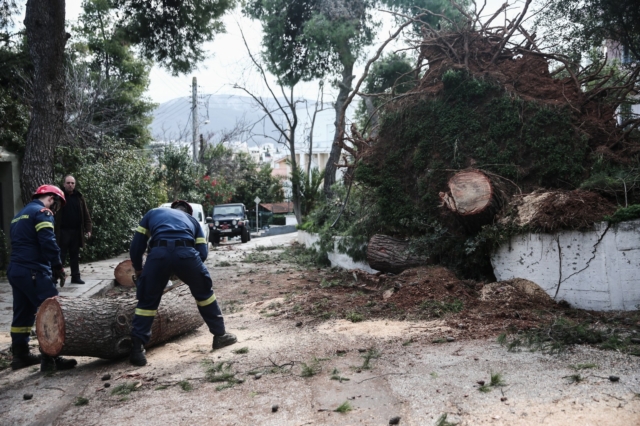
473 197
101 327
388 254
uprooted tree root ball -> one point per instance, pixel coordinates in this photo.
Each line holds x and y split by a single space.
489 99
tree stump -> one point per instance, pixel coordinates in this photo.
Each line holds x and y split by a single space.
388 254
472 197
124 273
101 327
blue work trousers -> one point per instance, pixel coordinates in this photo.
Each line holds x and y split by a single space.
30 288
184 262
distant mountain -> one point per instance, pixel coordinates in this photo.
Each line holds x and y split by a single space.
172 119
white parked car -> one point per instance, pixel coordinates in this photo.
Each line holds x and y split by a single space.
198 213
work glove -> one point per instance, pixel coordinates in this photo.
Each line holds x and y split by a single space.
59 275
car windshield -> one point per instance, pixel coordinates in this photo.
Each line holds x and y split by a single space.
227 211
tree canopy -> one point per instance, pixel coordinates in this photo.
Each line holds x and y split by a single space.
584 24
105 79
309 39
171 32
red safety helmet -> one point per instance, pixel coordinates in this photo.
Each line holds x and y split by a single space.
182 203
49 189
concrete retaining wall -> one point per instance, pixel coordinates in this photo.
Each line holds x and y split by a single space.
596 270
278 230
335 257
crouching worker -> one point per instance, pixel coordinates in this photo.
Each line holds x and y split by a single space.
33 270
178 247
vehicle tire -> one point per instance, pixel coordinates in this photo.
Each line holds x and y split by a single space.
215 240
245 235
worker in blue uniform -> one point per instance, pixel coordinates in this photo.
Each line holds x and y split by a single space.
177 247
33 270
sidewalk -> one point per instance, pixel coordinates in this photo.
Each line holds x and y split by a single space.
98 277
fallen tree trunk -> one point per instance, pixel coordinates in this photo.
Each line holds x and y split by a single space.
388 254
101 327
473 198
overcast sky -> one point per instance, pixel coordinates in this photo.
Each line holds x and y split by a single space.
228 63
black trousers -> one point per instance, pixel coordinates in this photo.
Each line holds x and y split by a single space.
30 288
162 262
70 241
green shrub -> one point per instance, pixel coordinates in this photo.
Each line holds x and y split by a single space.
625 213
278 220
118 185
14 122
119 190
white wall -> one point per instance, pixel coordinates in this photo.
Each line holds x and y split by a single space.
596 270
335 257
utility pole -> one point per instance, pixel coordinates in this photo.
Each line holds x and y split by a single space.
194 117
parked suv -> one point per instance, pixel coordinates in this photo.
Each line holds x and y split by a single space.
229 220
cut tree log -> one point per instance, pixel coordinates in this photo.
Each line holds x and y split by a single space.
124 273
470 193
473 198
101 327
388 254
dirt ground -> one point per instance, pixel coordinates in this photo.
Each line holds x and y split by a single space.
413 346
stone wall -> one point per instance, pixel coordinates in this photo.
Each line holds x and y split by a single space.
596 270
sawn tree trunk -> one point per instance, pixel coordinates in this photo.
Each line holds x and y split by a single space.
124 273
473 197
388 254
101 327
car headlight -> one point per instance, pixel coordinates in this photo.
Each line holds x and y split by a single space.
234 222
216 223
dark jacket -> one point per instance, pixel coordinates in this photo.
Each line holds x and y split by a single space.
33 244
85 222
166 224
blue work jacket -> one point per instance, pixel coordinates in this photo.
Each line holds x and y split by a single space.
33 242
166 224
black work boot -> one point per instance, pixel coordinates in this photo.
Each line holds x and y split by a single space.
223 340
22 356
50 364
137 356
75 279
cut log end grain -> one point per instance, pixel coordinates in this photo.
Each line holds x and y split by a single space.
124 273
51 333
470 193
